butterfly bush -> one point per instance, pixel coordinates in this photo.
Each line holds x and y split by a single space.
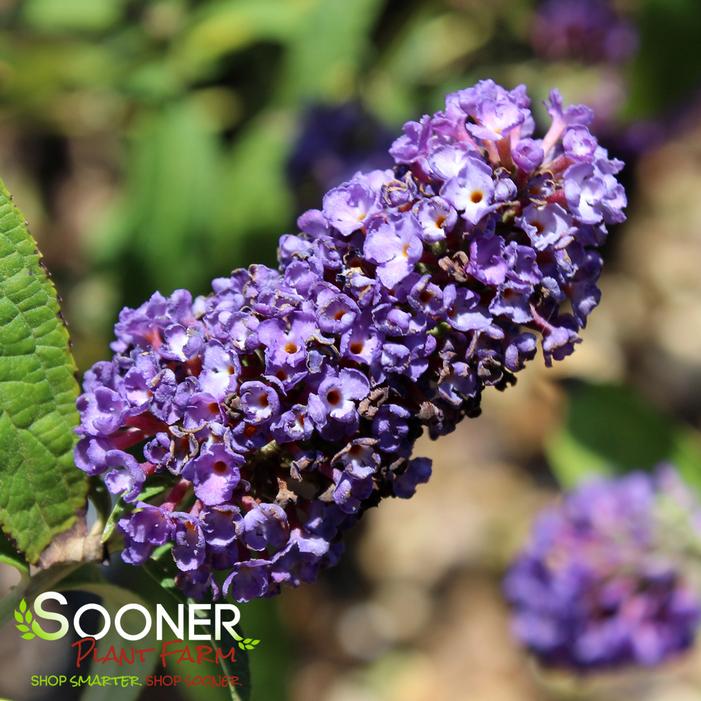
285 403
604 581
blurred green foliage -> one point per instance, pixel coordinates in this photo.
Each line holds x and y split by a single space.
665 71
610 429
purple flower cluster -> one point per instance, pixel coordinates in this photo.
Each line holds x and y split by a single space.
287 402
585 30
602 582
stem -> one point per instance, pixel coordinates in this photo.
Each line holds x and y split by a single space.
175 496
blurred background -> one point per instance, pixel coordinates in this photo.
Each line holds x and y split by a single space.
156 144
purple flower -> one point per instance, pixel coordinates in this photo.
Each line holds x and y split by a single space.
495 111
395 247
548 226
248 580
448 161
436 217
102 411
127 476
588 30
471 190
180 343
594 196
143 530
414 141
417 472
189 543
579 144
427 297
391 425
286 342
599 585
513 304
458 383
294 425
338 394
199 409
259 401
350 491
220 370
141 380
265 526
361 342
300 560
348 206
221 526
215 474
90 455
528 154
464 312
486 262
284 404
574 115
336 312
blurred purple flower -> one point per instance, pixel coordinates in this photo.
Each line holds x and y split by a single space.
602 582
584 30
335 141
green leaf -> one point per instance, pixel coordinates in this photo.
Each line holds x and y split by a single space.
173 170
270 665
655 81
10 556
686 456
69 15
610 429
253 188
23 618
29 636
42 490
328 50
223 28
240 668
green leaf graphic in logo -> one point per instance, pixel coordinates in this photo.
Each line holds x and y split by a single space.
245 643
26 624
248 643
